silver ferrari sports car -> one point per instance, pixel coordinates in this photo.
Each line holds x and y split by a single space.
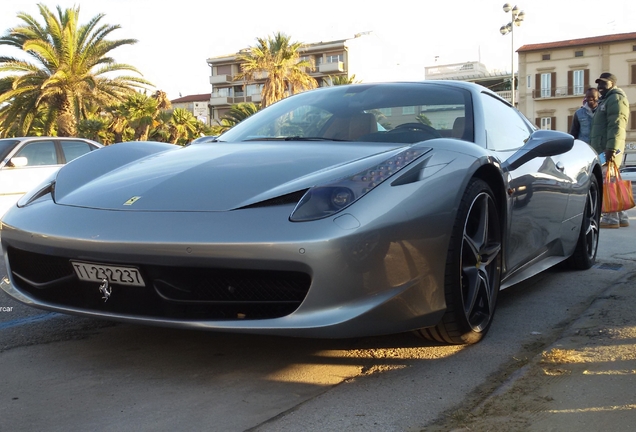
339 212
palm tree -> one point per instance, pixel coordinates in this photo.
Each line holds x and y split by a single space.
140 111
279 59
237 113
183 126
69 70
343 80
119 125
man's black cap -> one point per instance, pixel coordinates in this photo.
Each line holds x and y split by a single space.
606 76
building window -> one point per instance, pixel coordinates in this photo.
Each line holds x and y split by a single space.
546 123
253 89
335 58
633 47
546 84
224 70
385 111
238 91
222 92
578 53
545 57
408 110
578 78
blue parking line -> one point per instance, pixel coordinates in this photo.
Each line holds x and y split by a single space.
28 320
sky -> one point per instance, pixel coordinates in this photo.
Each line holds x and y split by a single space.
175 38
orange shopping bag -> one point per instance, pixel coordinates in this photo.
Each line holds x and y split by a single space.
617 193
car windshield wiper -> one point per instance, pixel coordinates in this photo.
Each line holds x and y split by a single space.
294 138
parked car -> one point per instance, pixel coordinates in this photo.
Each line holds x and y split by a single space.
628 173
338 212
25 162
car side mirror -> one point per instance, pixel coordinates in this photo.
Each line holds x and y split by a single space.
541 143
19 161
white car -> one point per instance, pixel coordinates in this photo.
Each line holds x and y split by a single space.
27 161
628 173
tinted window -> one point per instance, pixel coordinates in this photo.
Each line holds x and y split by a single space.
74 149
39 153
6 145
505 127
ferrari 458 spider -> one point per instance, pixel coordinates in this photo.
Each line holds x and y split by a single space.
339 212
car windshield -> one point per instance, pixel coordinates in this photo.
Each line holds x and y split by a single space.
6 145
391 112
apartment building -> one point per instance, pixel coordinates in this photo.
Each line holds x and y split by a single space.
356 56
553 78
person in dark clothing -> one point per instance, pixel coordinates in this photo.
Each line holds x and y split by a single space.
609 129
582 121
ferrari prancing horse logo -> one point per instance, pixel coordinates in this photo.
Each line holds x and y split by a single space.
105 289
132 200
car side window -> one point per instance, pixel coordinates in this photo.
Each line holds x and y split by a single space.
505 127
39 153
74 149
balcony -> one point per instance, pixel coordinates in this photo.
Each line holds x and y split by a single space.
507 95
557 92
220 100
260 75
231 100
331 67
221 79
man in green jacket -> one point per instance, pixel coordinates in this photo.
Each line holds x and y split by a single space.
608 133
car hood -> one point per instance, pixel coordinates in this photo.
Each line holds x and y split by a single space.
216 177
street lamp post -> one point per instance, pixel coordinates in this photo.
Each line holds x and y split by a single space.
517 17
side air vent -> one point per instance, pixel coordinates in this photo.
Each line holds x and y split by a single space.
291 198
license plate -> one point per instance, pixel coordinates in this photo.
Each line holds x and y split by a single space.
93 272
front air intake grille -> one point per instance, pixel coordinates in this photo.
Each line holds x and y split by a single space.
39 268
170 292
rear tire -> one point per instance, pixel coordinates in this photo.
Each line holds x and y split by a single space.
584 255
473 269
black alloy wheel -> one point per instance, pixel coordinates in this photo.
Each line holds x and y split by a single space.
473 269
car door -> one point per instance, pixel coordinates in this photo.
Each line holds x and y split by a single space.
32 161
538 190
41 161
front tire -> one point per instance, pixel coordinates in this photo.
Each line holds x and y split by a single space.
584 255
473 269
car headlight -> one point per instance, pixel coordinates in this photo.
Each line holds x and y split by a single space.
323 201
45 188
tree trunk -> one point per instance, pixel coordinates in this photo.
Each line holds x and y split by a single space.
66 121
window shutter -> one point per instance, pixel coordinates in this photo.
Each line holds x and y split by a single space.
632 120
537 86
633 74
553 123
586 78
553 84
537 122
570 82
570 119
